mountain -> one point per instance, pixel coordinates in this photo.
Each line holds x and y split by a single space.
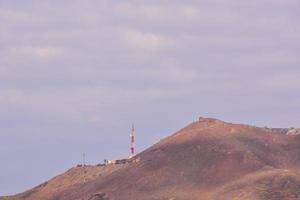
208 159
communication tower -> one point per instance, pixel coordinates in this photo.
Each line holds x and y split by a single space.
132 142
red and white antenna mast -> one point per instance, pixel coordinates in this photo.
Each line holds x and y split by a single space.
132 142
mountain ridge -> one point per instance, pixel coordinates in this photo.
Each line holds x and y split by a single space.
208 159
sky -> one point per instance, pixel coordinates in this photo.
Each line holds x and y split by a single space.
74 76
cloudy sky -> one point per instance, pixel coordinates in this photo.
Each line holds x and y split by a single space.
74 75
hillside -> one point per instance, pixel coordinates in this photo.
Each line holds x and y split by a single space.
208 159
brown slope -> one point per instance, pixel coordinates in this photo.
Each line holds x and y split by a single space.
73 178
264 184
208 159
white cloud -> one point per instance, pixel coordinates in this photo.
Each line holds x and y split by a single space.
156 12
171 70
11 96
145 41
12 16
189 12
106 63
43 54
283 2
79 104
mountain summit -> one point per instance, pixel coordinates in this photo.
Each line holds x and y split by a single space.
208 159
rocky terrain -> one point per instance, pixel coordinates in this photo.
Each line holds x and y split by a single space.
208 159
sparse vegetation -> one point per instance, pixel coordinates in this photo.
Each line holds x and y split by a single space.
236 162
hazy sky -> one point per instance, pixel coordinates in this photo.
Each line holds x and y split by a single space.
74 75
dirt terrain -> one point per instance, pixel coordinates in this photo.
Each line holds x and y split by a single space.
208 159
